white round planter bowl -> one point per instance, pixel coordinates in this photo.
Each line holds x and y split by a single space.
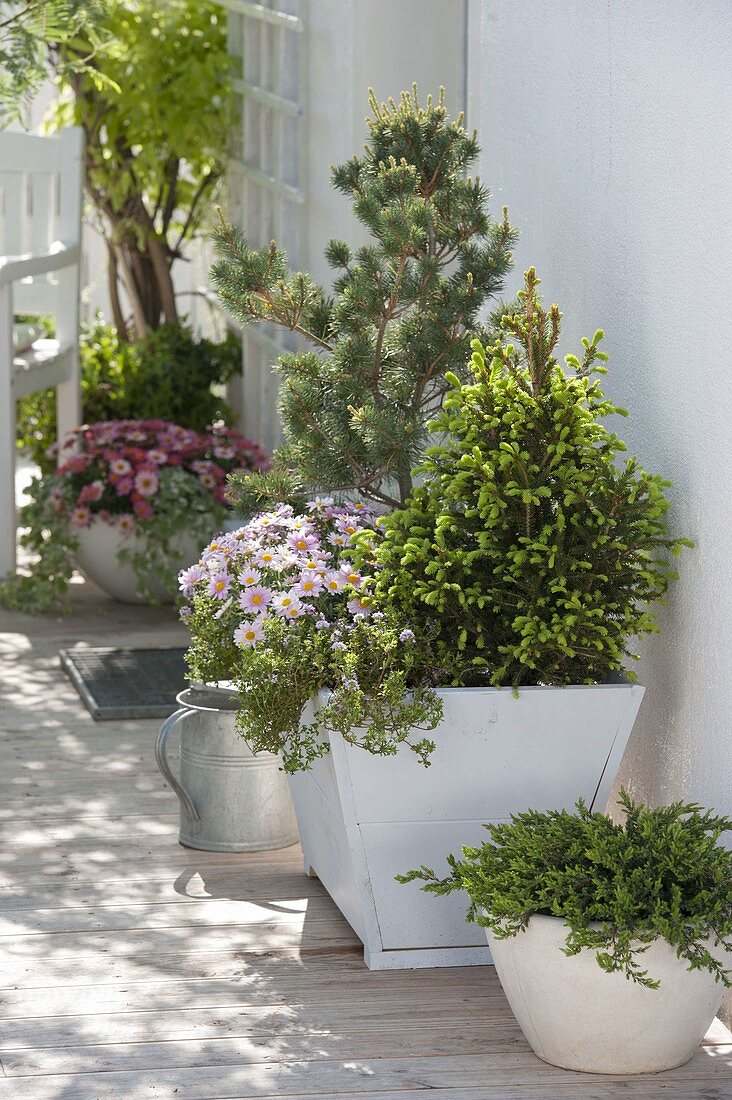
97 559
579 1017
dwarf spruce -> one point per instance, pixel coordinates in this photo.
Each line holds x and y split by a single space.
533 549
356 399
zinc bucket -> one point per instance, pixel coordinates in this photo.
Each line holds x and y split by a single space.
231 800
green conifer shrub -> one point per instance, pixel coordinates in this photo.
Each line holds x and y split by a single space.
661 873
531 549
356 401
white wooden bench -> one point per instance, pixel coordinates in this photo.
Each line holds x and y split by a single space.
40 250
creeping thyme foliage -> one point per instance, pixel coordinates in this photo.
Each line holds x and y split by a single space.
660 873
278 608
531 546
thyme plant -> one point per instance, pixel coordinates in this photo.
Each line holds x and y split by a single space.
661 873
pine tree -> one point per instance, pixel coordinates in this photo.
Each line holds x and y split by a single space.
356 400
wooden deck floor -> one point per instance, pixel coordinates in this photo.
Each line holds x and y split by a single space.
133 968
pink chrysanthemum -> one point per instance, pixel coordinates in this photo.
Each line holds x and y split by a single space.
143 509
146 481
80 516
120 467
92 492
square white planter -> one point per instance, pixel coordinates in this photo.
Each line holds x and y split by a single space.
364 819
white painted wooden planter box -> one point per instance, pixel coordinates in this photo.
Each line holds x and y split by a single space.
363 819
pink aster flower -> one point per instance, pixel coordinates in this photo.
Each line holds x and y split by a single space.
158 456
266 558
351 574
249 576
284 602
80 516
346 525
219 586
126 524
255 598
359 607
319 504
310 585
207 480
248 634
334 581
189 578
303 542
146 481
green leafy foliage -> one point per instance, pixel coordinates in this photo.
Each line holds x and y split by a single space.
534 550
169 374
355 403
154 101
661 873
30 31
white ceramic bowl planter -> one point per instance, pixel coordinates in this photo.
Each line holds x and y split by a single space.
99 544
364 819
577 1016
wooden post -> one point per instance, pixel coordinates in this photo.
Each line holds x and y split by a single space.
7 433
68 392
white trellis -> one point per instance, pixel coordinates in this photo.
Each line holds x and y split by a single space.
265 182
40 251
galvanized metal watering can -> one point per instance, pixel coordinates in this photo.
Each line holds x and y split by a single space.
230 799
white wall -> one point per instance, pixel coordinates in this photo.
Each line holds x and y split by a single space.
607 129
353 45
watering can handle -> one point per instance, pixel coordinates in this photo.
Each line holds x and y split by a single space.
161 759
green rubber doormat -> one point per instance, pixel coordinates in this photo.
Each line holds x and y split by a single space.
126 683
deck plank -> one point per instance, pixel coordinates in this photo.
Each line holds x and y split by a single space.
132 967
